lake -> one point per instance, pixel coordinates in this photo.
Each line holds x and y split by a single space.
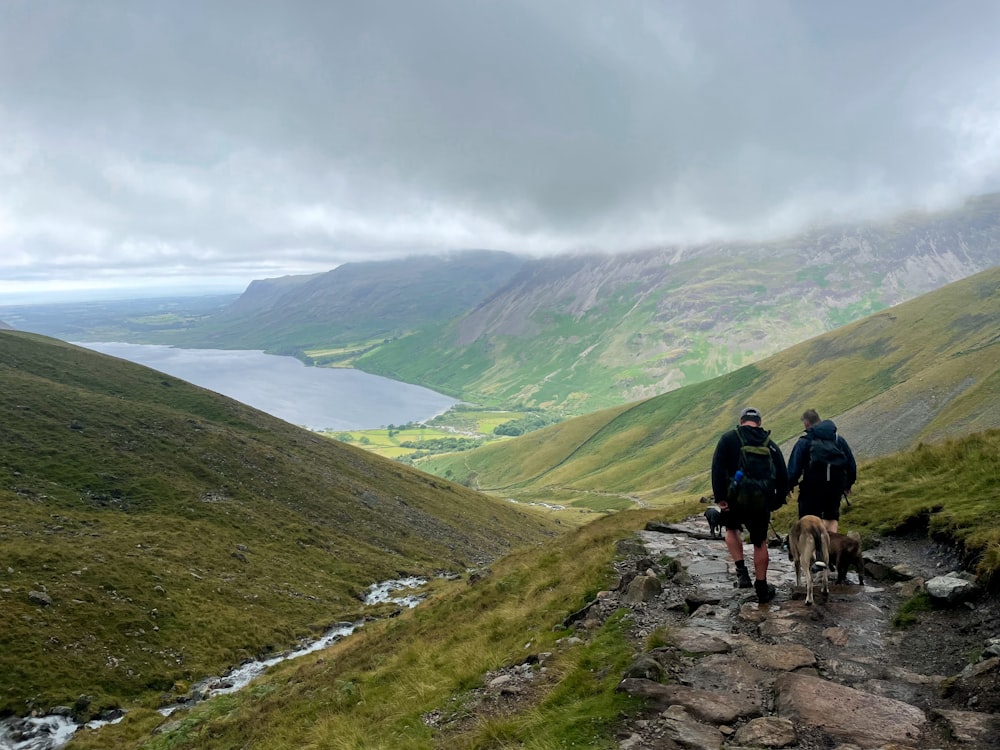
319 398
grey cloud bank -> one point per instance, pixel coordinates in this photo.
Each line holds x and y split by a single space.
198 146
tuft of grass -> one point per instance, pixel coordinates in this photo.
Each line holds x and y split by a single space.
909 611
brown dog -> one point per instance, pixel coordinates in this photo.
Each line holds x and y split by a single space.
809 541
845 551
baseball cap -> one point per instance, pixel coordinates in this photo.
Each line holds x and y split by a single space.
750 415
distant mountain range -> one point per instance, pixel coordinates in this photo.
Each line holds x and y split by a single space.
576 333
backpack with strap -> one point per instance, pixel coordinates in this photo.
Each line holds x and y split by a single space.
827 461
756 487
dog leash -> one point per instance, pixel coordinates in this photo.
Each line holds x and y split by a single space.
781 542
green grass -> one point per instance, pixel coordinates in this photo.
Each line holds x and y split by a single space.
373 689
945 490
909 611
179 533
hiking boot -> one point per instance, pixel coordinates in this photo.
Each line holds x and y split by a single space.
765 591
743 579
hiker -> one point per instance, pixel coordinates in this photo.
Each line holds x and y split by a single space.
749 480
823 461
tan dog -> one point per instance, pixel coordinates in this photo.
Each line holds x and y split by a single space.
845 551
809 540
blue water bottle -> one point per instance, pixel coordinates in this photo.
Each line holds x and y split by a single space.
735 486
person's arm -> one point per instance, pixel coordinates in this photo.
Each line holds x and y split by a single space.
852 466
720 473
781 486
796 462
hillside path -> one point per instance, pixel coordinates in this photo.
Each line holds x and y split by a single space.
838 674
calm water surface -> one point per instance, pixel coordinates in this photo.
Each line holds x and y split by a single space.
315 397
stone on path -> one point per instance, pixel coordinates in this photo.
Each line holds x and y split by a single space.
846 714
971 726
766 731
686 731
706 705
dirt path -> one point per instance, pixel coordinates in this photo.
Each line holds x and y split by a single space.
736 674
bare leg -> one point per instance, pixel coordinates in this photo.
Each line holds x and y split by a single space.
832 525
734 543
761 558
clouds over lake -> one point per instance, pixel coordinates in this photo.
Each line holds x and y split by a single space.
214 143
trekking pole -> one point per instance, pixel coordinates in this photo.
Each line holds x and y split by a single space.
846 500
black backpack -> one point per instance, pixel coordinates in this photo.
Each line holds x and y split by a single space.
827 460
756 487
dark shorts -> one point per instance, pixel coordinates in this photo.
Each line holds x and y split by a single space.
824 505
755 521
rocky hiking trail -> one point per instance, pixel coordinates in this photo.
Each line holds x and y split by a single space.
838 674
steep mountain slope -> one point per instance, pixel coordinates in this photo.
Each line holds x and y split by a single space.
921 371
579 333
154 532
356 303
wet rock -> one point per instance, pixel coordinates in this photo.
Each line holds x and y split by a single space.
970 726
699 598
837 636
784 657
698 640
951 589
730 674
706 705
766 731
844 713
686 731
978 685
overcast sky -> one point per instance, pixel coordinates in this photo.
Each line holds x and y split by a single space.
205 144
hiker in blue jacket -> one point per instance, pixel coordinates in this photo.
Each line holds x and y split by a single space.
823 467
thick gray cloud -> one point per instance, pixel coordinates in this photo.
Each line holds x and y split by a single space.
148 142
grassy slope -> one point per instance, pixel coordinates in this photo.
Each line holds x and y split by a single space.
923 370
373 691
179 532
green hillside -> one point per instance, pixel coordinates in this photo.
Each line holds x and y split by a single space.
921 371
155 533
578 333
379 689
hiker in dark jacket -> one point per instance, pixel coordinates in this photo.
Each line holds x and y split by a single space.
725 463
822 485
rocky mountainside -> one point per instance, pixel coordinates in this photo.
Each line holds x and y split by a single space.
580 332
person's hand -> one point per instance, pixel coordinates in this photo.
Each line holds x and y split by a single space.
847 491
723 505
